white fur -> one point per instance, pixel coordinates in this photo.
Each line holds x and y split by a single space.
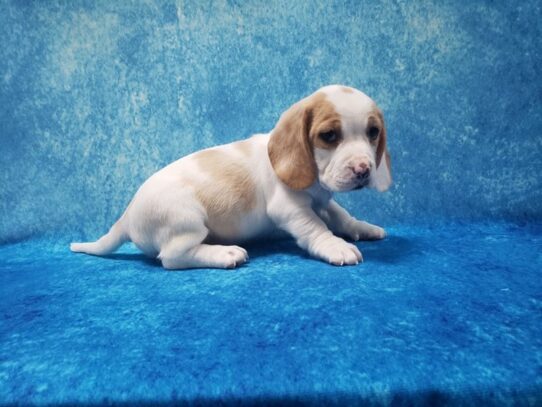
166 220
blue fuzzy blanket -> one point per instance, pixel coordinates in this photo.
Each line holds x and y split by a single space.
443 314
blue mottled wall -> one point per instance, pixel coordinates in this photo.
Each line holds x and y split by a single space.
96 96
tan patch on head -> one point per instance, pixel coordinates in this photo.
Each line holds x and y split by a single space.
346 89
324 118
294 137
229 193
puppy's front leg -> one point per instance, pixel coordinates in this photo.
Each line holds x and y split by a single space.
342 223
312 234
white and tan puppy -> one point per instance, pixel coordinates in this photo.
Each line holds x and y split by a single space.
190 213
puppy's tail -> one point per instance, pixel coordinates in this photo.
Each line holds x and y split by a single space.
108 243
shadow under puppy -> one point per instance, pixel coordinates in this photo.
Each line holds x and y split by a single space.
190 213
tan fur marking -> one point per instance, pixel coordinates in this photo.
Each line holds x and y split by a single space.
244 146
231 191
375 121
295 136
346 89
388 162
381 147
325 118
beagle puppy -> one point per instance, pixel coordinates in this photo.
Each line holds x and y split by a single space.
192 212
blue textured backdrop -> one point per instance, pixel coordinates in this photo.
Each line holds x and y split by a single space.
96 96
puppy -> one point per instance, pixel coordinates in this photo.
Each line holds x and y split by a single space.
192 212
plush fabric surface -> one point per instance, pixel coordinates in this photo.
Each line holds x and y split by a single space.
95 96
447 313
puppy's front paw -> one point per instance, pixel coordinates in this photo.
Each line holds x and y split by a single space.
359 230
231 256
338 252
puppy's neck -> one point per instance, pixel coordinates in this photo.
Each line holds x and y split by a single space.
318 193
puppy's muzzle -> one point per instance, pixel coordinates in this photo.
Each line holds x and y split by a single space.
361 170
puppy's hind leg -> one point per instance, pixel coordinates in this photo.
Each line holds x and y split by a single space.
202 256
185 250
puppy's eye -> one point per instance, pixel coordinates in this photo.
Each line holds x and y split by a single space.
329 136
373 132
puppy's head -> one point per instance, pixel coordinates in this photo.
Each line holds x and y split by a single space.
335 136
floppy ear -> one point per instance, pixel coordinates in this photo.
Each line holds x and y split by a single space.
290 150
382 176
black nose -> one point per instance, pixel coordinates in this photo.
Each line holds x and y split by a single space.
361 170
362 175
